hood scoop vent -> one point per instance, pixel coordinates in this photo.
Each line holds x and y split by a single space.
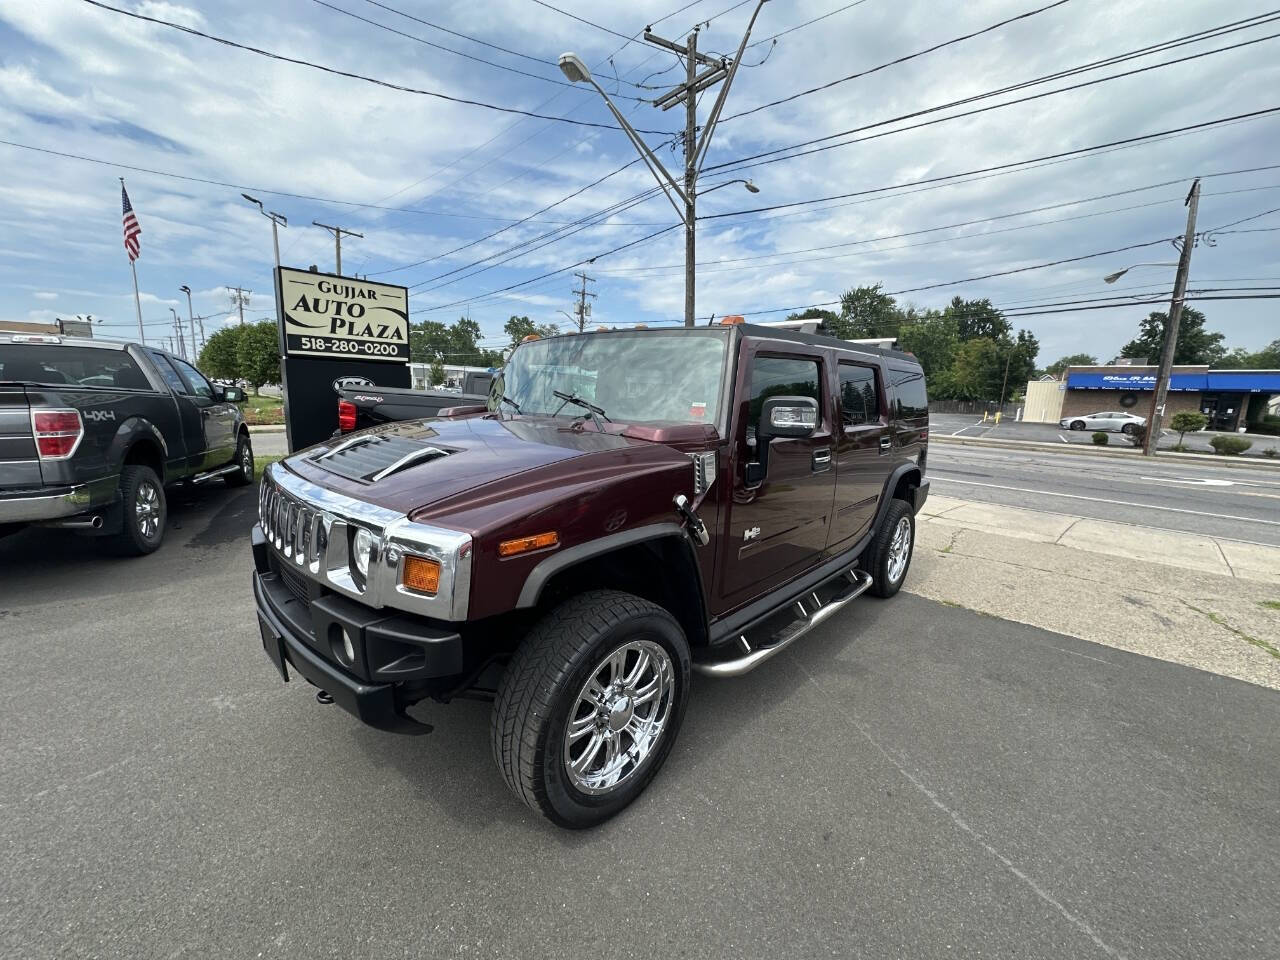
368 459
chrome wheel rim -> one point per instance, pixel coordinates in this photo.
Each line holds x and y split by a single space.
899 550
618 717
246 462
146 508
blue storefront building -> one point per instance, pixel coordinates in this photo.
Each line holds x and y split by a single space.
1231 399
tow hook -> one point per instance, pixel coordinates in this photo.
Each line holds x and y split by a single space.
696 528
324 697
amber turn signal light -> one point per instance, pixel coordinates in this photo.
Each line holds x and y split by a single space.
421 575
509 548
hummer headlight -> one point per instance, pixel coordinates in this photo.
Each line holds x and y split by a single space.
361 551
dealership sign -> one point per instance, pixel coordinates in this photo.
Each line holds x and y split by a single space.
336 332
328 316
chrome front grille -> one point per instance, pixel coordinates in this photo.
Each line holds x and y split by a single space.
298 532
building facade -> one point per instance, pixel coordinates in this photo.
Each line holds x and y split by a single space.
1231 399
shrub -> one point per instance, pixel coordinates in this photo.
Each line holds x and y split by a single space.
1188 421
1138 434
1271 453
1230 446
1101 439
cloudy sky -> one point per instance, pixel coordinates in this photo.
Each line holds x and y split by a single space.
427 180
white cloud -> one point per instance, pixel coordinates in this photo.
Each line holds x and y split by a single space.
45 295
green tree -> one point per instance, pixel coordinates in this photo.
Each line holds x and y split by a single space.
975 370
933 338
827 317
978 319
866 312
517 328
428 340
258 354
219 357
1071 360
436 375
1188 421
1268 358
1195 343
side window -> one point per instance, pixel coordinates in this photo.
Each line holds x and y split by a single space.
909 396
197 385
170 375
859 400
782 377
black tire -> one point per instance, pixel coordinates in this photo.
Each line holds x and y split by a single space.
143 529
1129 429
877 558
1077 424
244 460
539 696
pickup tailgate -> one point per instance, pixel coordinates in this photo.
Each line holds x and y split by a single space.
19 465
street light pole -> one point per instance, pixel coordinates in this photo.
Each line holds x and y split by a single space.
191 315
682 197
277 219
1161 392
177 329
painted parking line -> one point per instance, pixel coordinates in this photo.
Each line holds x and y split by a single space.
969 427
1118 503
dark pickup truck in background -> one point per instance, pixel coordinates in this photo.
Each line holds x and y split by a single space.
366 405
92 432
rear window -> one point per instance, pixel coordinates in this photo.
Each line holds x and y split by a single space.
72 366
910 400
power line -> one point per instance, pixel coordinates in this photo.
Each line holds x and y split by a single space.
742 163
807 23
354 76
589 23
903 59
1078 151
463 36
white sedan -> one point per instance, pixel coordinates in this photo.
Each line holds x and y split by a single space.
1113 420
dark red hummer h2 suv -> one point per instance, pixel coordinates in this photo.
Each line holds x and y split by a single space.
630 506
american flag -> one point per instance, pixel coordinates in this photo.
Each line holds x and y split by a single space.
132 231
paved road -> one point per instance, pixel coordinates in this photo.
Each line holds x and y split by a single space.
913 780
959 425
1201 498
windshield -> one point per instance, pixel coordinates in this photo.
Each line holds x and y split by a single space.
633 377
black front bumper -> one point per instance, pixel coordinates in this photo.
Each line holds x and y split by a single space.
397 657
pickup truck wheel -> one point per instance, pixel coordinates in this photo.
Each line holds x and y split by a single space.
145 511
244 460
590 706
889 554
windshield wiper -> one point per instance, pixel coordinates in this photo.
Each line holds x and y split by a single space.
505 399
597 413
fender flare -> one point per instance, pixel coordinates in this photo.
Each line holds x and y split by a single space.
130 432
899 472
562 559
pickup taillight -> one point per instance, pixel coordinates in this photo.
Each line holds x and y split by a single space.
57 433
346 416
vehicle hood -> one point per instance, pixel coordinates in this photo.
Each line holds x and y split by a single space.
453 459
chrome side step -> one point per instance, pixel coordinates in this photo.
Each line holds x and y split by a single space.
213 474
859 583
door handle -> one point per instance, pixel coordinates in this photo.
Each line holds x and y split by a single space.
886 442
821 458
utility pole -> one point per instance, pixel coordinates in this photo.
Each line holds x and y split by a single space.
337 241
583 309
682 197
1161 393
240 298
191 315
200 320
277 220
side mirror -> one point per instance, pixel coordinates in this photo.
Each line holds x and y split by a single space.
788 417
233 395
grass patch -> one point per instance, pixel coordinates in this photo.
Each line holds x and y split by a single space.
261 463
1270 604
1221 621
263 410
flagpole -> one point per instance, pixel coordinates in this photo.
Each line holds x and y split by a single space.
137 300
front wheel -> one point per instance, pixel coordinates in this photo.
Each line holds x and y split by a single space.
1129 429
1077 424
590 706
243 476
889 554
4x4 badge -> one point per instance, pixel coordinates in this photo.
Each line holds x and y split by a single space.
750 533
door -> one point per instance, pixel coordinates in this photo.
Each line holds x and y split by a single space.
863 452
217 416
778 528
185 454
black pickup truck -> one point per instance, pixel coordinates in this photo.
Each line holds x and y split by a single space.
361 404
92 432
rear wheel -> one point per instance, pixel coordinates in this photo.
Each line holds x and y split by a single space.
145 511
244 460
889 554
590 706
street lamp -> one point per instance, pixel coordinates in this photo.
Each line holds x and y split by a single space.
275 218
191 315
749 184
1113 277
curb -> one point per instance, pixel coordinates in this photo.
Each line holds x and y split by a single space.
266 428
1079 449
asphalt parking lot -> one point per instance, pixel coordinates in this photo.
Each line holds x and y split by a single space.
911 780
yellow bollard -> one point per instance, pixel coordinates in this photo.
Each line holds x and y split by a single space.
997 418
